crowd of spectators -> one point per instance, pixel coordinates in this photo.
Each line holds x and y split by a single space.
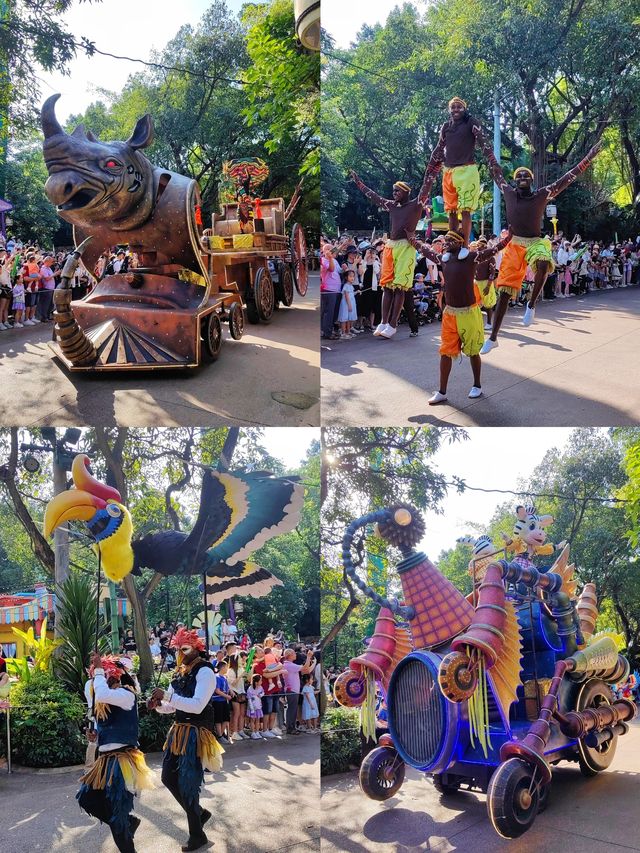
351 296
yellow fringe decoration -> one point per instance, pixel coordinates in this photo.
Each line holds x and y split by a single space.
208 749
478 706
368 708
137 776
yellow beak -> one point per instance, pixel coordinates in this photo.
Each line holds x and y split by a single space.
73 505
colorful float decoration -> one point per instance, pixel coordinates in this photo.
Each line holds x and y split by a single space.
167 311
499 686
238 513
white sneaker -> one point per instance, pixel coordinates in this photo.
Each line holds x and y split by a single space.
276 731
475 392
29 323
529 316
463 253
3 327
255 736
235 736
380 329
388 332
18 326
244 735
437 398
35 320
345 337
268 734
487 327
487 346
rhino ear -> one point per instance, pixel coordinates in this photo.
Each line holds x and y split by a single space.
79 132
92 137
142 135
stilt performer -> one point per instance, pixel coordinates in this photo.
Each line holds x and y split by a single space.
525 209
399 257
120 771
191 747
461 179
462 323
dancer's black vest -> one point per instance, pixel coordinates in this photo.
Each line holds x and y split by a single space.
120 726
185 685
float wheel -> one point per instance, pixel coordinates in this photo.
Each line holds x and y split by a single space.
513 798
212 335
381 773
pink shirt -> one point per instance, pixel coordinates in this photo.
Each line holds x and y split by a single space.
48 280
292 676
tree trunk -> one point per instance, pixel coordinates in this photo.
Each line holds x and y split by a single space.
342 621
60 539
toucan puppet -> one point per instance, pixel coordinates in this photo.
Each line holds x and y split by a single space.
239 512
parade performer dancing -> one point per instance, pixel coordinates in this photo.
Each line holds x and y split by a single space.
399 257
462 324
191 747
461 179
120 771
485 273
525 209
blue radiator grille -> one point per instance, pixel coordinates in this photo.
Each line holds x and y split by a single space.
416 707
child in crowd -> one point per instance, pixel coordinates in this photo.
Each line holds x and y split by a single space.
254 705
348 312
5 291
18 302
309 705
220 701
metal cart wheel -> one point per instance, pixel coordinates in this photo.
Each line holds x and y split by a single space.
299 259
261 302
212 335
381 773
593 760
236 321
513 798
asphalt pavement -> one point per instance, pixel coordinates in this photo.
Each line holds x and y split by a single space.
269 378
265 799
597 815
578 364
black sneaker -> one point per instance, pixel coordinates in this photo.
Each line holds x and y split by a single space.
195 843
413 334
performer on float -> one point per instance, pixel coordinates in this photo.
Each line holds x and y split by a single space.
525 209
484 276
399 257
191 747
462 324
120 771
461 179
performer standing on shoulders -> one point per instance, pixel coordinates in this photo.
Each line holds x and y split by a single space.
191 747
462 324
399 257
120 771
525 209
461 179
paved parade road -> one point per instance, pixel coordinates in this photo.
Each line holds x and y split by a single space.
265 799
577 364
269 378
598 815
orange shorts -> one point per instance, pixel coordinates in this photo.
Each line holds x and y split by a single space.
512 268
462 332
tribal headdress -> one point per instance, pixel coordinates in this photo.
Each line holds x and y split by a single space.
402 186
183 637
522 169
111 666
453 235
457 100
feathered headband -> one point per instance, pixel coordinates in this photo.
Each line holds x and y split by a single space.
453 235
522 169
458 100
111 666
402 186
183 637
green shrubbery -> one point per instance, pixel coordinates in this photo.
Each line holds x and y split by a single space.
340 749
46 724
153 728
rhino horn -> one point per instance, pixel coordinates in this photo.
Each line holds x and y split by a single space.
142 135
50 124
79 132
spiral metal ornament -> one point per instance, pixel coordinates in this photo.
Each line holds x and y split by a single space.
403 526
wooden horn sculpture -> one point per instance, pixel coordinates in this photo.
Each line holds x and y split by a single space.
587 608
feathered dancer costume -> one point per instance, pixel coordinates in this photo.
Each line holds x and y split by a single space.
190 747
120 771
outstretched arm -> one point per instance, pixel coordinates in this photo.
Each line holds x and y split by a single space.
384 203
422 247
562 183
491 251
494 167
433 167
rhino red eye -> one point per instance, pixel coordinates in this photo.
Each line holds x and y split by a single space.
112 164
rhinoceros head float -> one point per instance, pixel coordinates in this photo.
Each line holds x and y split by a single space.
92 181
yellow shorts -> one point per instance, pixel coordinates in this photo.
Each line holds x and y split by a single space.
461 188
398 264
487 293
517 254
462 331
